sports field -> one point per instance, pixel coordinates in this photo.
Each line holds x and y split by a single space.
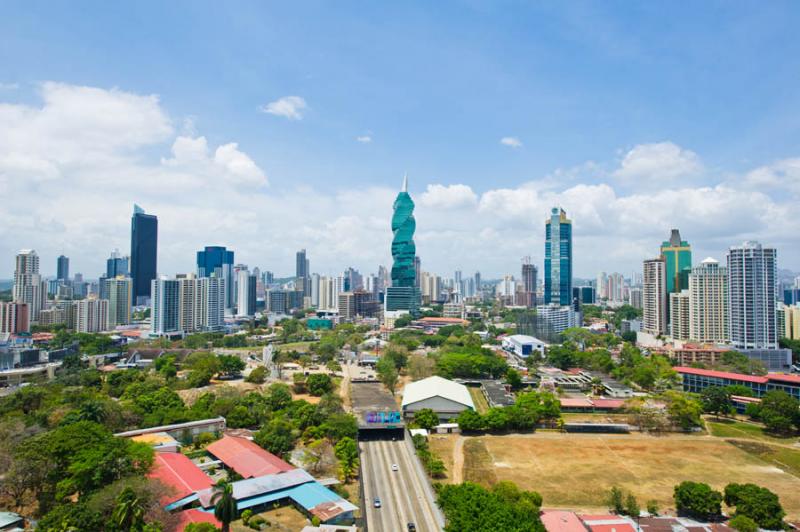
576 471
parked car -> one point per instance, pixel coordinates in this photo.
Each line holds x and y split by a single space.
394 467
377 503
412 527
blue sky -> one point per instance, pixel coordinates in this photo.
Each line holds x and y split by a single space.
435 87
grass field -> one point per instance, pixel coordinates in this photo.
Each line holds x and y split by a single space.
442 446
576 471
728 428
477 397
570 417
301 347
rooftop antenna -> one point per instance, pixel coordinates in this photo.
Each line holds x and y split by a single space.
405 182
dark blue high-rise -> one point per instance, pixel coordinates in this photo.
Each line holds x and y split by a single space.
144 253
217 261
62 268
558 258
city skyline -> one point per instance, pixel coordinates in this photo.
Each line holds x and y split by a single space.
239 163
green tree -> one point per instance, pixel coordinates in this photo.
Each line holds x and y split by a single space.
631 506
652 507
230 365
717 400
225 509
278 396
426 418
470 421
346 451
514 379
742 523
129 512
616 500
698 500
257 375
459 503
387 373
779 411
200 527
319 384
759 504
277 437
683 411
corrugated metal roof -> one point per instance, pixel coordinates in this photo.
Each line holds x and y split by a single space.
436 386
252 487
721 374
247 458
181 474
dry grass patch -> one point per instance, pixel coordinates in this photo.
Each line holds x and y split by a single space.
481 405
478 464
441 445
576 471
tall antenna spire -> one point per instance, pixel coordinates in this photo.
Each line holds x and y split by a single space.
405 182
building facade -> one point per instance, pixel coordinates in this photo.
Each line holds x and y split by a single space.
246 299
28 284
404 292
558 258
91 315
119 292
752 318
62 268
654 297
679 311
217 261
144 253
14 318
708 302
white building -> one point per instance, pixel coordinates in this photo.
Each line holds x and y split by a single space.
559 317
119 292
523 345
28 285
654 297
453 310
91 315
708 302
752 320
679 315
445 397
246 294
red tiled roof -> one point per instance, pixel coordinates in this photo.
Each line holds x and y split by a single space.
561 521
178 472
721 374
247 458
783 377
194 515
608 403
616 527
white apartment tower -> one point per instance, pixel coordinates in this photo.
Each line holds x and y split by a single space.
752 317
654 297
708 302
679 303
28 285
119 291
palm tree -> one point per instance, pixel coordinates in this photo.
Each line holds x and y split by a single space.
129 512
224 504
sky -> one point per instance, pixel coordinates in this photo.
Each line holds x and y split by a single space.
269 127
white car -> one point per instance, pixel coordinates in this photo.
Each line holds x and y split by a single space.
394 467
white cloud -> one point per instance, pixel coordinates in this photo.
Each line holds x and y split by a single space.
291 107
364 139
448 197
664 163
69 181
513 142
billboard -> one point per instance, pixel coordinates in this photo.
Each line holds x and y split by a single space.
383 417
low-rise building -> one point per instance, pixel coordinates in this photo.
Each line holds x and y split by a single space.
445 397
523 345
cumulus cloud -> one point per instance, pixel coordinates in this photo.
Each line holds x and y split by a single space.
291 107
662 162
364 139
448 197
69 183
513 142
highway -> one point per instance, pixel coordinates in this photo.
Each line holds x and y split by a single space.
406 496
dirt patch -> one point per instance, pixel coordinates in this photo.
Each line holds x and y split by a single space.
442 446
478 463
576 471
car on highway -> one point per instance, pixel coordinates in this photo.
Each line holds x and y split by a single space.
412 527
394 467
377 503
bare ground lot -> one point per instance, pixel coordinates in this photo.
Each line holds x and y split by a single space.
576 471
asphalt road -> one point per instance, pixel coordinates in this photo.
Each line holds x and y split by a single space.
402 493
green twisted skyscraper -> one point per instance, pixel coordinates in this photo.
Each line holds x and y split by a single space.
404 293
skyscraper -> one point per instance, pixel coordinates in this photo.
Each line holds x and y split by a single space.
119 292
28 285
404 293
246 300
529 282
218 261
144 253
62 268
679 305
654 297
165 314
677 255
117 265
558 258
752 320
302 273
708 302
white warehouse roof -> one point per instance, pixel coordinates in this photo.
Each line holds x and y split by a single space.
524 339
415 392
